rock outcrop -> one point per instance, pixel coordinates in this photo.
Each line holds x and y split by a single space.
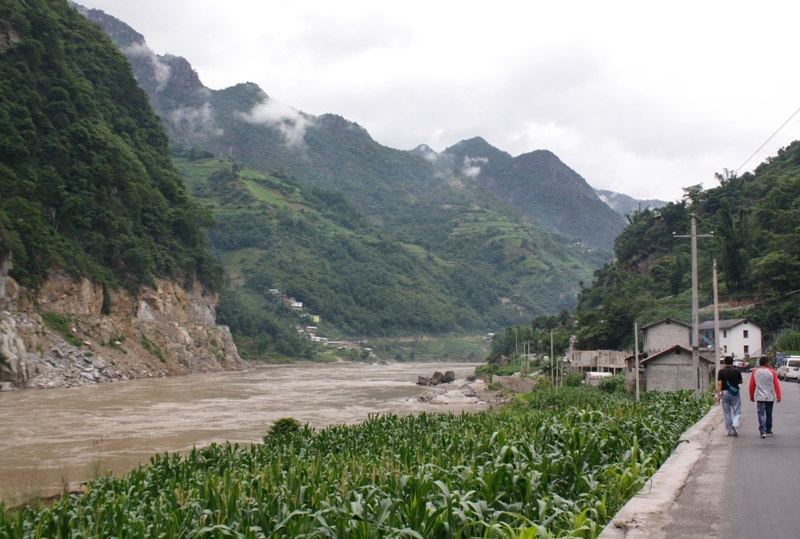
436 379
57 336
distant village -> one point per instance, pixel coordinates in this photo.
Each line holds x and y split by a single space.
310 331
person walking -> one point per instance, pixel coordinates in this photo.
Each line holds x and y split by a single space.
728 382
765 389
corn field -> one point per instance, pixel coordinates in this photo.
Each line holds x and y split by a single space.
560 465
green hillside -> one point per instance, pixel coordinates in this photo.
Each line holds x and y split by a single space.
86 180
755 219
402 194
313 245
541 185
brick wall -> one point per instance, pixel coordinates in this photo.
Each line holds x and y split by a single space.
673 372
664 336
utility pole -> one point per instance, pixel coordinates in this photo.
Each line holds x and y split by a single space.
695 309
716 324
552 360
636 356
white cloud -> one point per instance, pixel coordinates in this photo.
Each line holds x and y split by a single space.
160 69
472 166
197 120
637 97
291 122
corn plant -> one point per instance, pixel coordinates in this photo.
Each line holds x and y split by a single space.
560 465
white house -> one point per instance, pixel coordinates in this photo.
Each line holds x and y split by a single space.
738 337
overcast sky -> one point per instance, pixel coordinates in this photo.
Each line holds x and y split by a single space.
642 98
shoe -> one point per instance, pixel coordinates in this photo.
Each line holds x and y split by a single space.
729 434
735 431
763 435
770 434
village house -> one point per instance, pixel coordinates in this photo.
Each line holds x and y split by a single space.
657 337
671 370
739 337
665 334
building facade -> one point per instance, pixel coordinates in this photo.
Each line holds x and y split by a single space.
665 334
739 337
671 370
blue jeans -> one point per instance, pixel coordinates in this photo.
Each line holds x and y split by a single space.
765 416
732 408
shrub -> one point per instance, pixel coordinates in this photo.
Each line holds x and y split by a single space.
613 383
283 427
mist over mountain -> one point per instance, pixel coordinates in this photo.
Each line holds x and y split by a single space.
475 207
539 184
624 204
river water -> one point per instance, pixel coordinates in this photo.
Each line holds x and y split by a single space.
58 436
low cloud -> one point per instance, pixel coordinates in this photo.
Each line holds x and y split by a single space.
472 166
290 122
196 120
161 70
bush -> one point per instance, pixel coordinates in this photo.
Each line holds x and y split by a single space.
283 427
789 341
613 384
573 379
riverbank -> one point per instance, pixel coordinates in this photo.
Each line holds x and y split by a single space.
48 438
57 336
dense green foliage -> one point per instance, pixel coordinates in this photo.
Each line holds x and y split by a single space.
86 182
561 465
755 220
314 245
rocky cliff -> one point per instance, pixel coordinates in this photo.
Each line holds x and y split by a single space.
58 335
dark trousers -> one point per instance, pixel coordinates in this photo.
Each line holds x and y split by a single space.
765 416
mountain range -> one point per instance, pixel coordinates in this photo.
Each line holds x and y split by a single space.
328 151
529 227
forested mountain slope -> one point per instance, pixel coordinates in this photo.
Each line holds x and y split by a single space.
313 245
756 224
104 269
86 180
402 194
542 186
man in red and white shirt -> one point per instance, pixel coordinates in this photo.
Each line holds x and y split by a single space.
765 389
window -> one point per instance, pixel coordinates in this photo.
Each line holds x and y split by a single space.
724 333
725 349
746 349
744 334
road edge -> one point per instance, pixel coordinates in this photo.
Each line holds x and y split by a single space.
645 514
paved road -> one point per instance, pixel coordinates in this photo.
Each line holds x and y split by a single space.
745 487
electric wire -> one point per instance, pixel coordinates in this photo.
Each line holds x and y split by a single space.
766 141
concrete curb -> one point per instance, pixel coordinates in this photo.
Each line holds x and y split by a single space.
645 514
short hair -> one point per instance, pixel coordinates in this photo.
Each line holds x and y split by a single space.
729 360
763 361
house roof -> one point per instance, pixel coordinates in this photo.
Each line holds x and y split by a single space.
677 348
666 321
727 324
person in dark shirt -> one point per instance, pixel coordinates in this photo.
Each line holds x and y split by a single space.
728 393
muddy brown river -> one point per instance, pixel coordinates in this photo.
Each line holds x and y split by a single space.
57 436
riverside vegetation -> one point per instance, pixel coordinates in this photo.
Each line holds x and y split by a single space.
559 463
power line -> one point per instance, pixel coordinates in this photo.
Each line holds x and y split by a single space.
766 141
